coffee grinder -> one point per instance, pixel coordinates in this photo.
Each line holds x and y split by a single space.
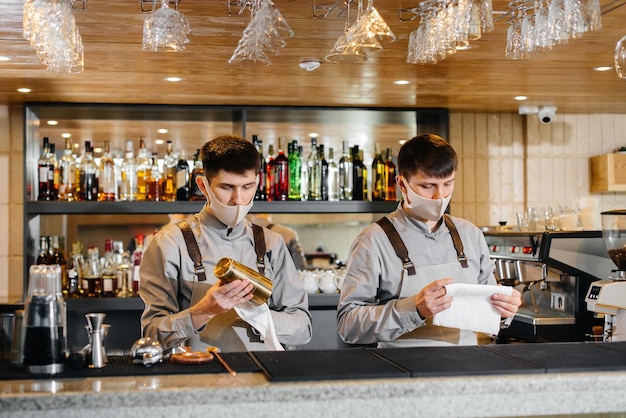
608 296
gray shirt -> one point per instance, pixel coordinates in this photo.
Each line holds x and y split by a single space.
167 279
370 309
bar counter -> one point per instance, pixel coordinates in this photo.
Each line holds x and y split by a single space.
259 395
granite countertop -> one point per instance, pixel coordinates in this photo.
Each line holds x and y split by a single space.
253 395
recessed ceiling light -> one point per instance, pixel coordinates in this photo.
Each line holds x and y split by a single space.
401 82
313 135
520 98
174 79
53 122
97 150
162 131
602 68
159 142
3 58
24 90
68 135
402 141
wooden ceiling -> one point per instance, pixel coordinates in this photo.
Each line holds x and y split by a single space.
478 79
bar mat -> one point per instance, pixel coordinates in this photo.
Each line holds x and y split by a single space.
453 361
350 363
124 366
565 357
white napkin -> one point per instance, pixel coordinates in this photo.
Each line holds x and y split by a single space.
260 318
471 308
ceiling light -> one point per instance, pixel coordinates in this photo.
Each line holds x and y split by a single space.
602 68
24 90
402 141
68 135
309 65
520 98
3 58
162 131
97 150
401 82
53 122
159 141
174 79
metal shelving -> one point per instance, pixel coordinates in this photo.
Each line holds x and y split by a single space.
34 208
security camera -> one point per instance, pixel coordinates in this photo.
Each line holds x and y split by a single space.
546 114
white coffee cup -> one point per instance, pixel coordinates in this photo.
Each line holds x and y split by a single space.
568 221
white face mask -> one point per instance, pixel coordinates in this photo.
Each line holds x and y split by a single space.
228 215
422 208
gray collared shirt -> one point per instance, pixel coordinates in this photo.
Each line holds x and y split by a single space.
167 278
369 308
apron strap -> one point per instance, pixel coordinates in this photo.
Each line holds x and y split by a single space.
456 239
397 244
192 249
259 247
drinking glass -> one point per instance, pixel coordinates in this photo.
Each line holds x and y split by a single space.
165 28
620 57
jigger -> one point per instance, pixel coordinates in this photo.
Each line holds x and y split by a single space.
94 324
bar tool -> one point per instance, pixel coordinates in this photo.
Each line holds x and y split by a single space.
228 270
95 327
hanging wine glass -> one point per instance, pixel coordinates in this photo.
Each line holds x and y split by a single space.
620 57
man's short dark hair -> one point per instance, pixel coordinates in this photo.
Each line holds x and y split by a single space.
230 153
428 154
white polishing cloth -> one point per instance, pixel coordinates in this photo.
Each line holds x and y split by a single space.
471 308
260 318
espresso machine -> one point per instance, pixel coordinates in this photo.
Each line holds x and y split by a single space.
553 272
607 297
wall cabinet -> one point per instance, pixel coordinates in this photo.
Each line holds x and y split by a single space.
608 173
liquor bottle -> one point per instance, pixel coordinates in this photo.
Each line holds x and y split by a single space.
67 175
124 276
315 172
198 171
281 173
88 175
183 175
56 172
261 189
304 174
109 270
390 177
269 174
154 183
345 174
320 149
136 262
378 175
57 257
92 275
128 185
75 268
333 177
44 250
295 168
143 165
169 174
358 179
106 182
45 173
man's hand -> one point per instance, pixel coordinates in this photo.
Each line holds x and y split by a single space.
507 305
220 298
432 298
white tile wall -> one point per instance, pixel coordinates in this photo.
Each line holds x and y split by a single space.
509 162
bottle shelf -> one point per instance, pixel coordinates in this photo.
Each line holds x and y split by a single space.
34 208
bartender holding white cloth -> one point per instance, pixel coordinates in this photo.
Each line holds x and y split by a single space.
398 268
